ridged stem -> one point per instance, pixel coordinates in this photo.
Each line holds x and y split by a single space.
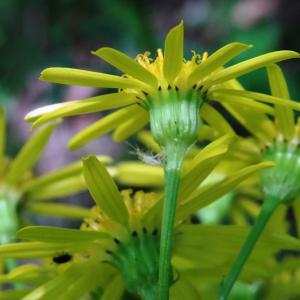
266 212
174 159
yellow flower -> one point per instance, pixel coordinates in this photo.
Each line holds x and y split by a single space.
170 92
275 138
117 248
147 80
20 190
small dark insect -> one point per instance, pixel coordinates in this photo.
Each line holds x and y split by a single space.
62 258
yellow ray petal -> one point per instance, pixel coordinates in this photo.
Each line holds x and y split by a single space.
58 210
86 106
215 119
173 53
135 174
103 190
208 194
250 65
133 125
278 86
127 65
69 171
253 105
78 77
216 60
258 124
261 97
103 126
29 154
58 189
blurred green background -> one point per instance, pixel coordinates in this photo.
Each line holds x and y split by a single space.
35 34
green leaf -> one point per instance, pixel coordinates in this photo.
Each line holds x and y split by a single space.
59 235
278 86
173 54
80 107
216 60
103 126
250 65
208 194
104 191
88 78
30 153
58 210
126 64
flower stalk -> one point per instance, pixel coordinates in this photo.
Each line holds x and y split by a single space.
174 120
267 210
174 159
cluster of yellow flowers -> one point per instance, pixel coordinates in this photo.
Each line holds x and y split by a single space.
145 244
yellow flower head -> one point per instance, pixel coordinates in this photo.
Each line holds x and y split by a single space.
166 78
117 248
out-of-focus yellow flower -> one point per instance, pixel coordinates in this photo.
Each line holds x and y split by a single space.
117 248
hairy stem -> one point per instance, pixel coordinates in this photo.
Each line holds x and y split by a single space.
174 159
266 212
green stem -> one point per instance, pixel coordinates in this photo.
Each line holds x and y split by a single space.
9 224
174 159
266 212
